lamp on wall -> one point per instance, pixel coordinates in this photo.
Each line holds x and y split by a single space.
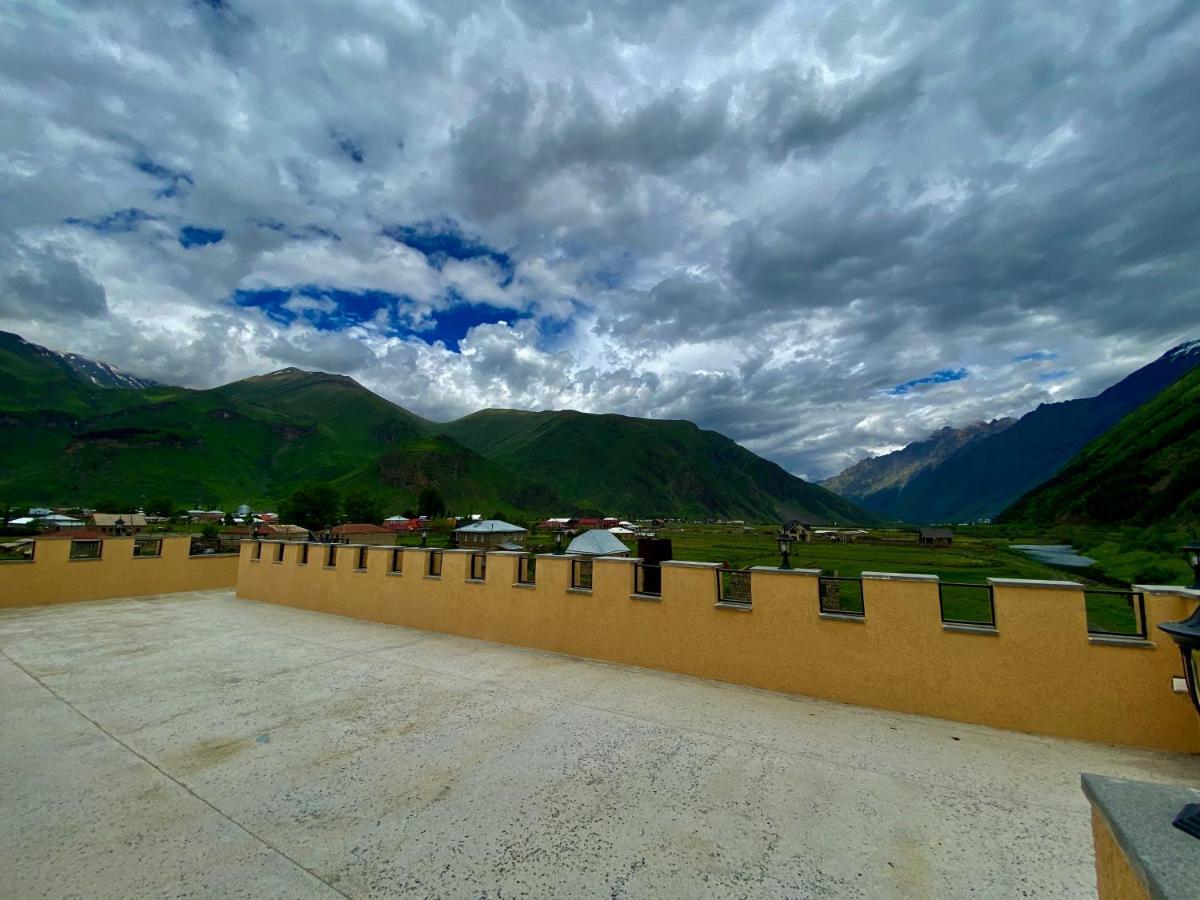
424 537
785 550
1191 552
558 541
1186 635
120 526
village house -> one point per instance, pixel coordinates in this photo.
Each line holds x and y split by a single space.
117 523
799 531
597 542
364 533
490 534
278 532
935 537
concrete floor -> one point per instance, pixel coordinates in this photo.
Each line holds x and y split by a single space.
201 746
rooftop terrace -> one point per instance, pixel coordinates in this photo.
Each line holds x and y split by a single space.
199 745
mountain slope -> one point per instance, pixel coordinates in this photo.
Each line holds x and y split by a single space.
645 467
66 440
878 477
987 476
1143 470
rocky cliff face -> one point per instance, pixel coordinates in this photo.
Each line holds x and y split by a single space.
890 472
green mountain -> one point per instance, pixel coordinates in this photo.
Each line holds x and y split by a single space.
644 467
1143 470
67 438
251 441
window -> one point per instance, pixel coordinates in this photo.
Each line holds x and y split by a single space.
478 566
85 549
527 570
397 561
258 549
304 554
331 556
435 563
147 547
581 574
360 561
279 552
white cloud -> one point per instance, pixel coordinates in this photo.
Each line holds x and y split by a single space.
760 216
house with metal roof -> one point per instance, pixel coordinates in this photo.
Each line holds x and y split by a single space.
489 533
597 542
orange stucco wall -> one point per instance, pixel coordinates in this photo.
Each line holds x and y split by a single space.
1115 877
1038 673
54 578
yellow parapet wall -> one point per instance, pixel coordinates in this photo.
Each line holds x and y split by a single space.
1037 671
53 577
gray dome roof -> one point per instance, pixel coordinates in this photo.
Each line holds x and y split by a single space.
597 542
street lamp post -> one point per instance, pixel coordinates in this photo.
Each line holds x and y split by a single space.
785 550
1191 552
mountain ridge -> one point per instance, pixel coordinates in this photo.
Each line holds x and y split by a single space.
984 477
255 439
1144 470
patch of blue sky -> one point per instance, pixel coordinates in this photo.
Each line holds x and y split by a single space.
1056 375
941 376
118 222
1035 356
329 309
304 232
348 146
443 240
174 181
195 236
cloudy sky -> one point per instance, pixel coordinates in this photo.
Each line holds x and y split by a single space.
821 229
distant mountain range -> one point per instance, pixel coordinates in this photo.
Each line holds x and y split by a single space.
996 463
1145 469
882 478
69 435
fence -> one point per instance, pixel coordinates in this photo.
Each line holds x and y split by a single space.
734 587
841 596
59 569
1044 668
202 546
647 580
527 570
1123 619
581 574
972 605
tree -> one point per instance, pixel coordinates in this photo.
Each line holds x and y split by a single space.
362 506
312 506
209 532
430 503
160 507
108 504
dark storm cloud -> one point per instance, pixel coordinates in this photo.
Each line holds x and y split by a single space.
795 223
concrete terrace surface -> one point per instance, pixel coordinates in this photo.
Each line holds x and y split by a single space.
197 745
